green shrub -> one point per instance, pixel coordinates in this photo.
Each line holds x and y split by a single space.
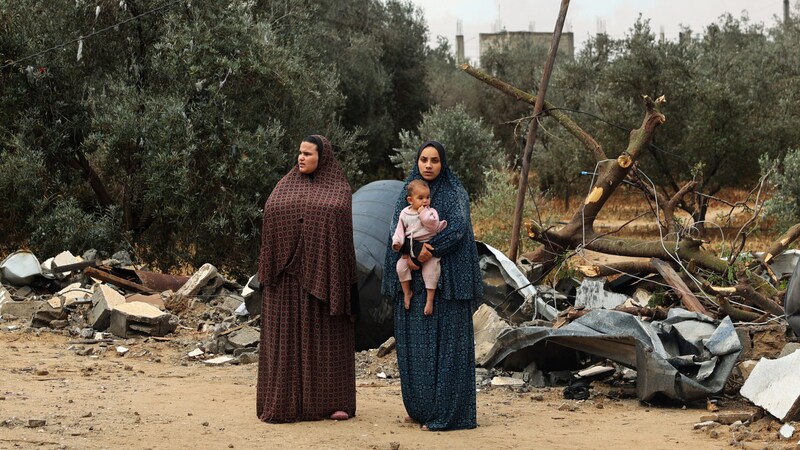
471 147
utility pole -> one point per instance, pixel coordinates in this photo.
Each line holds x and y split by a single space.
534 126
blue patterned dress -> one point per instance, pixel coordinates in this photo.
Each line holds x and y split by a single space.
436 353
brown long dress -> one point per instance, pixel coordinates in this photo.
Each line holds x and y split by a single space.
306 365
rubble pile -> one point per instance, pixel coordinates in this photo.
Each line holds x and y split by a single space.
104 302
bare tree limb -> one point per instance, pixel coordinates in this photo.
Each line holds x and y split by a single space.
573 128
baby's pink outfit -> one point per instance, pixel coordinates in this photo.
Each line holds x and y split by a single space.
420 227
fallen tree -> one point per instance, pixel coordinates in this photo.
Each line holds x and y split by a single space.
677 246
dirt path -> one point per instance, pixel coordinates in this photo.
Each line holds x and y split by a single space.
156 398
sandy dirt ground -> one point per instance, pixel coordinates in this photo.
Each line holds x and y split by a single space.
155 397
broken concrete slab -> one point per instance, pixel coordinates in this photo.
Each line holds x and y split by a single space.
205 277
245 337
141 318
507 381
231 302
75 293
219 360
150 299
104 300
775 386
48 316
487 326
50 265
591 294
25 308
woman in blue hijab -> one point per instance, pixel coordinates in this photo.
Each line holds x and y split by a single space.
436 353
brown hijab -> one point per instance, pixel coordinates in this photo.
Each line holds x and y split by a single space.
310 217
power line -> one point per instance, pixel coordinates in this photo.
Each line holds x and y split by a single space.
94 33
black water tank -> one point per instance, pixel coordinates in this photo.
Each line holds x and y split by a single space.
373 208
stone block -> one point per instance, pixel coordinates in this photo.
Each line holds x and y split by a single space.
141 318
23 309
104 300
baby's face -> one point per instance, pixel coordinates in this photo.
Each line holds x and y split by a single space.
420 197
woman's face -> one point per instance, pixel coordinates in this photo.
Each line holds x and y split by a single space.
429 163
308 159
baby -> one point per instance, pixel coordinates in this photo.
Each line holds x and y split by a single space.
417 222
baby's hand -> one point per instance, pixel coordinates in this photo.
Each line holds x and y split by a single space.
421 208
396 247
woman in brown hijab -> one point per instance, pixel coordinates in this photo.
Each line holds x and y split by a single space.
306 368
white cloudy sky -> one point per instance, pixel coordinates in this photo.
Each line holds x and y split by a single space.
583 16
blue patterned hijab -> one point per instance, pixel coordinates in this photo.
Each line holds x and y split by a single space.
455 245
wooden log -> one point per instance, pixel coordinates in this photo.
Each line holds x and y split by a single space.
688 299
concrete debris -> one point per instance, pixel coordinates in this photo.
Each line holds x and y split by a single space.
507 381
141 318
121 351
104 300
195 353
786 431
775 386
245 337
706 424
241 310
206 278
592 295
50 265
219 360
21 309
231 302
150 299
487 326
75 293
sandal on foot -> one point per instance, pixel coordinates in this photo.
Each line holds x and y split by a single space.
340 415
424 428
